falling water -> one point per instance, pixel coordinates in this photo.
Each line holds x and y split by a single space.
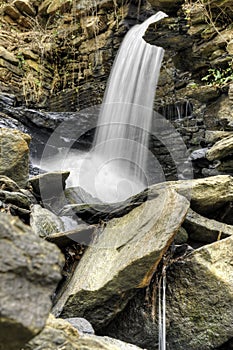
116 166
120 148
162 312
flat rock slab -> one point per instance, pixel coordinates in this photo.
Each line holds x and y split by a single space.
123 258
83 234
29 272
221 149
60 334
14 155
200 298
202 229
206 195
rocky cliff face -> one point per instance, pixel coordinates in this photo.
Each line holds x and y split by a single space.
55 58
59 55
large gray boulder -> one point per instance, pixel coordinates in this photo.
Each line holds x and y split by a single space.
30 270
122 258
14 155
202 229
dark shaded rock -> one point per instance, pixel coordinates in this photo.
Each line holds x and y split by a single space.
49 185
135 324
30 269
201 229
123 257
181 236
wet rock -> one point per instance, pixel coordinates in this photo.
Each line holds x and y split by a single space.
14 155
77 195
59 333
123 257
200 298
221 149
44 222
49 185
201 229
92 210
30 269
81 324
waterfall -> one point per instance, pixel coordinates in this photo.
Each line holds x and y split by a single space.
116 166
120 148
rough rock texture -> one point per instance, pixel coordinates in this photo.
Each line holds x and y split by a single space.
14 155
30 270
44 222
59 333
206 195
122 258
200 298
199 302
201 229
221 149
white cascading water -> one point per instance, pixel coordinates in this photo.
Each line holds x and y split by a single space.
119 155
116 167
